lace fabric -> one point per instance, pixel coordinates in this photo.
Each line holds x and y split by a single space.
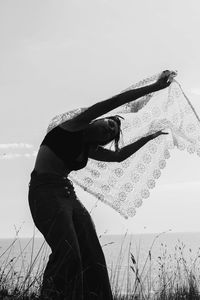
124 186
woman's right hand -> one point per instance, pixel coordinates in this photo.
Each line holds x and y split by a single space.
165 79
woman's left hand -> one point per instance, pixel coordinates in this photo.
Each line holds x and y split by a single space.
157 133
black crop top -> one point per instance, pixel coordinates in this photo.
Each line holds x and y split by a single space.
67 146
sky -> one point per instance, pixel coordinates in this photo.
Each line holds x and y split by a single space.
59 55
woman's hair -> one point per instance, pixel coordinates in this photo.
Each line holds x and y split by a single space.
115 118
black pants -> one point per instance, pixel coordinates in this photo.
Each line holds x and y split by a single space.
76 269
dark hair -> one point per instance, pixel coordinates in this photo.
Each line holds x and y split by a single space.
115 118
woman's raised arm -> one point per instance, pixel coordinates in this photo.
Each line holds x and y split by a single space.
103 154
107 105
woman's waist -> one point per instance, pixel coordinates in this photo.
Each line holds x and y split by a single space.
50 180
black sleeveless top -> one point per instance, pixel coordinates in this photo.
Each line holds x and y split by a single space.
67 146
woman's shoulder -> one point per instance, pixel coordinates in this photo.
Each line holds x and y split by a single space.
72 120
73 125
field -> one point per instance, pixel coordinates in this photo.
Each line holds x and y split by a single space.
176 279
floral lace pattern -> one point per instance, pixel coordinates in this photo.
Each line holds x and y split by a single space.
124 186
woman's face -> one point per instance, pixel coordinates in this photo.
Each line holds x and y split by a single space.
103 130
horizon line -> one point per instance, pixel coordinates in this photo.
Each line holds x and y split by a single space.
133 233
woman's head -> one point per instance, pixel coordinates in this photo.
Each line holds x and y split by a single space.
103 131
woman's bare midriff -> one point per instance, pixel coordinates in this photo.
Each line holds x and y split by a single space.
48 162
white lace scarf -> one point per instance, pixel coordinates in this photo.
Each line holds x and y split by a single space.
125 185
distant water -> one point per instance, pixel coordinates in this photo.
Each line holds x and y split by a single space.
149 251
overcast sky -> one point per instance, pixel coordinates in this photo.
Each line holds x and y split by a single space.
58 55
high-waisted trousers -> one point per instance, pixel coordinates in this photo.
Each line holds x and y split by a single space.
76 269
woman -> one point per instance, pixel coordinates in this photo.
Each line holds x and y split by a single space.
76 268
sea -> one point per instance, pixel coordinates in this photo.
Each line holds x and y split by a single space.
131 259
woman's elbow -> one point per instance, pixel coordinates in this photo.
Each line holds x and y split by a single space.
119 157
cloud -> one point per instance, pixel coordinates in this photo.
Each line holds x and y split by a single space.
16 150
16 146
7 156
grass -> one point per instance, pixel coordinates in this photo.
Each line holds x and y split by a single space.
168 276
